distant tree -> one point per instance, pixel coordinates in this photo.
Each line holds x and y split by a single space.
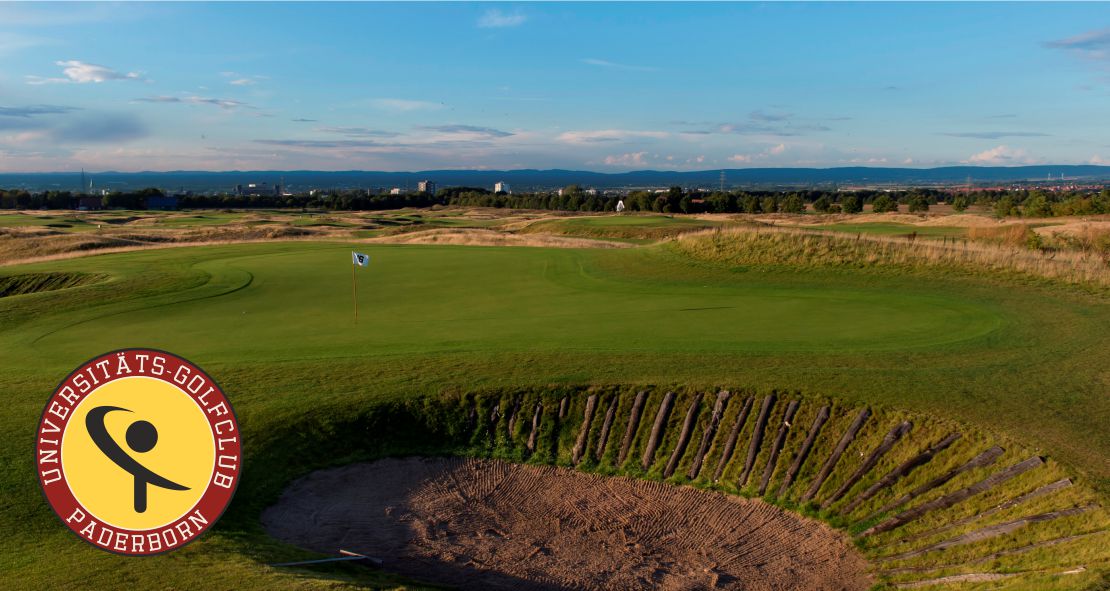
883 204
751 204
822 204
1005 207
959 204
770 204
1036 206
918 203
851 204
793 204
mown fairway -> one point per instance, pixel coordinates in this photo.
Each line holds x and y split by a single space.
273 322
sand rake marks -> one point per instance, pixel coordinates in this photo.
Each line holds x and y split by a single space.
683 436
892 437
834 457
584 432
730 443
657 430
807 446
633 424
710 432
756 440
776 447
952 498
901 471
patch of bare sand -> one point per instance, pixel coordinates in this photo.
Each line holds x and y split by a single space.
478 237
487 524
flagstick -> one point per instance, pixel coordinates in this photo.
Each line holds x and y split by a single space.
354 291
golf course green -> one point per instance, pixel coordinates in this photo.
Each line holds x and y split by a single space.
274 323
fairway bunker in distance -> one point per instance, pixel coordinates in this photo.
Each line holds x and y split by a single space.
481 524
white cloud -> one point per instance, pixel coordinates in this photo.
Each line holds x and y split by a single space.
1002 156
404 105
775 150
1092 45
616 66
606 135
495 19
1097 159
196 100
630 159
79 72
242 82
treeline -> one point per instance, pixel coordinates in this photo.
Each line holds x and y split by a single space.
21 199
1031 203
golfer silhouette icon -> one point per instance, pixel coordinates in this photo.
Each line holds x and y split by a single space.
141 437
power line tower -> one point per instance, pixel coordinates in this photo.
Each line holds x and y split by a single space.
84 185
722 181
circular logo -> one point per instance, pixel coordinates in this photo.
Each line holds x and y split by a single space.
138 452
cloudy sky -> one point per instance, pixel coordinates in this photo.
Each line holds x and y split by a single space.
605 87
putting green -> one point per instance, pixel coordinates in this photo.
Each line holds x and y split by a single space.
273 323
295 301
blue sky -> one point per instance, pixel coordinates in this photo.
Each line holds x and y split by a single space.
606 87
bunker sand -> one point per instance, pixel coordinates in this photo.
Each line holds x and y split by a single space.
485 524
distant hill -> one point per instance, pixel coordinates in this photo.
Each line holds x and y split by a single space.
530 179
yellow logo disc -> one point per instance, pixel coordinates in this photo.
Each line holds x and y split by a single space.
138 451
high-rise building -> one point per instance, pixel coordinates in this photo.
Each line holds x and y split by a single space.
428 187
502 187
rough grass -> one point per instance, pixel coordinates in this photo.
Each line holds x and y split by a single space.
478 237
13 285
780 247
272 322
636 227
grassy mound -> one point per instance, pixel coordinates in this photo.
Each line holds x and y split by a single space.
13 285
631 227
804 249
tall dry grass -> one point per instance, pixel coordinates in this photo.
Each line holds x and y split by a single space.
804 248
1009 234
24 245
474 237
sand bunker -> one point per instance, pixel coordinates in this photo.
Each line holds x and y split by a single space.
482 524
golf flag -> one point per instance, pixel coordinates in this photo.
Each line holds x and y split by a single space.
360 259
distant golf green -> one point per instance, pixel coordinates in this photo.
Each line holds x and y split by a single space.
274 323
630 227
893 229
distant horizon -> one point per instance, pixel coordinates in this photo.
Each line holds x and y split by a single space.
606 87
554 169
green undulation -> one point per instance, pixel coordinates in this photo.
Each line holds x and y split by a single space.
273 323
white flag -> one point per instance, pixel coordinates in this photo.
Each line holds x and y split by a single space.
360 259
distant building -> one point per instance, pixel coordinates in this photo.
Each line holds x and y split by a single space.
395 191
258 190
591 191
428 187
502 187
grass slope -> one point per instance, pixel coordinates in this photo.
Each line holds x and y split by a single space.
273 323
